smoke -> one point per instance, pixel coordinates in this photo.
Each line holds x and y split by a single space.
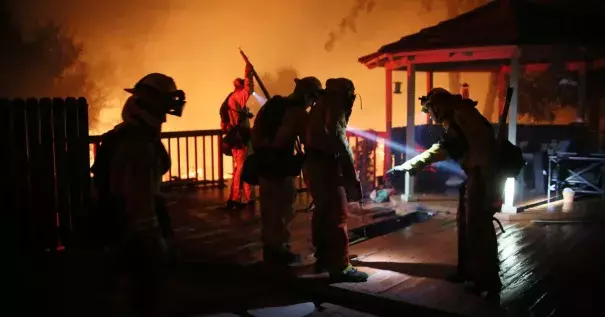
348 23
113 36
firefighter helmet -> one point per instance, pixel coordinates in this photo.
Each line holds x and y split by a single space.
163 87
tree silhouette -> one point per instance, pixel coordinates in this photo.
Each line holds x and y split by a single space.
47 64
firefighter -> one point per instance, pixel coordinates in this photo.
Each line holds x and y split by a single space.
135 173
469 140
235 123
332 180
274 138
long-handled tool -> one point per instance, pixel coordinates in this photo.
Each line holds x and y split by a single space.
258 80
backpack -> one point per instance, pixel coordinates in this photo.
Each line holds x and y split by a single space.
236 137
104 155
106 220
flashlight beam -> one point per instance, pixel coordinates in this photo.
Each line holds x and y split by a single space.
450 167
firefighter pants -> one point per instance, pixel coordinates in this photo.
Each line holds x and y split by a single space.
277 196
329 223
143 258
239 156
477 243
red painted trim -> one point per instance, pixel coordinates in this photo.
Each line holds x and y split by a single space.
441 56
389 116
541 67
429 87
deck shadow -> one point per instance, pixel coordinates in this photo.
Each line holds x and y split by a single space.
430 270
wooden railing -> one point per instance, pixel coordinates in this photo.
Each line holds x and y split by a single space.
197 158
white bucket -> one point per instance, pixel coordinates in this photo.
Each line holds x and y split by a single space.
568 197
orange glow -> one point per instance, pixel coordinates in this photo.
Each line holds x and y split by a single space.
196 42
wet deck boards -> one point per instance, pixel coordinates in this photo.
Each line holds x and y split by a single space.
547 270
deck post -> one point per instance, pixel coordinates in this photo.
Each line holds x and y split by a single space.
389 117
429 87
513 186
581 112
410 135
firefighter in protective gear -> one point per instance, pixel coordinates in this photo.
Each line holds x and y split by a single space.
332 180
135 175
469 140
235 123
274 138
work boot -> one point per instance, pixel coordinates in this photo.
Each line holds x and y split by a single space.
491 295
280 256
231 205
348 275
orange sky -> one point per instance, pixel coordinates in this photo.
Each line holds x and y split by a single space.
196 42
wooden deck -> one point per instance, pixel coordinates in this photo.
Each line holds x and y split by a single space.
548 269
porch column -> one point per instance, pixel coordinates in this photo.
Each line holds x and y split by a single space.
581 112
389 117
410 138
512 187
501 91
515 73
429 87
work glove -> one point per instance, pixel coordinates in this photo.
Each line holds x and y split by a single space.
249 68
396 172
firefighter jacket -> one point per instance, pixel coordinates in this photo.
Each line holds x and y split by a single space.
327 132
277 125
234 112
468 139
137 166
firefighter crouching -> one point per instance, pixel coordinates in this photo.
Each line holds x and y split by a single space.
469 140
331 179
278 124
131 165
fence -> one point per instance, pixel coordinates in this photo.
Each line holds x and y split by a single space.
197 158
45 142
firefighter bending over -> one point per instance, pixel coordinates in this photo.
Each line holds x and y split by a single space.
469 140
235 123
331 178
274 138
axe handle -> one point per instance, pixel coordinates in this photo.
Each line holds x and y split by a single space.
504 114
260 82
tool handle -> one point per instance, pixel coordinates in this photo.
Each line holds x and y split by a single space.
258 80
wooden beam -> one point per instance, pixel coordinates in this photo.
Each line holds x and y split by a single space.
542 67
389 117
410 139
444 56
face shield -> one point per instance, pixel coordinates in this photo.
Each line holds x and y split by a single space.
176 103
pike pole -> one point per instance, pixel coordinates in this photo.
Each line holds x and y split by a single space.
260 82
504 114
